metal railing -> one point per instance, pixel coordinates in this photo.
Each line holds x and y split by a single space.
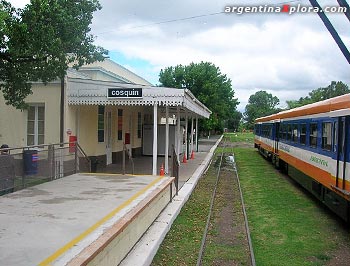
175 168
32 165
126 152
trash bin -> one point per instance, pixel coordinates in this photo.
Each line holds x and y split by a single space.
30 162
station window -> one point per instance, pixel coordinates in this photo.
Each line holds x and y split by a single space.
139 125
120 124
295 133
327 136
101 124
36 125
313 135
303 134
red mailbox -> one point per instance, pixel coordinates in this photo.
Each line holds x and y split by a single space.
72 140
127 138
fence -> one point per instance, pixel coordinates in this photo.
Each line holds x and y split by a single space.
33 165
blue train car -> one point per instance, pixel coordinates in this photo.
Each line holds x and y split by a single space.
312 145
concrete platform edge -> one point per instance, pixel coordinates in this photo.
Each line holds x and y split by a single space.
146 248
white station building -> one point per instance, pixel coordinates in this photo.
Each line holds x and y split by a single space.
104 106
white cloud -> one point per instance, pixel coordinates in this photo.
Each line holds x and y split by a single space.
286 55
277 57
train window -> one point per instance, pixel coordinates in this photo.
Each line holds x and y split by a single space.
289 132
303 134
327 136
280 131
257 130
313 135
285 131
295 133
263 130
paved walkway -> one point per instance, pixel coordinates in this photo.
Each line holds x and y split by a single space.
42 221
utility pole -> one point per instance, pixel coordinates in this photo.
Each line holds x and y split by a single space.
330 27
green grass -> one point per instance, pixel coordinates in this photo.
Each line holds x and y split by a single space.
182 243
240 137
287 227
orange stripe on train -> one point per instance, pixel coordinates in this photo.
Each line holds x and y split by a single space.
320 175
336 103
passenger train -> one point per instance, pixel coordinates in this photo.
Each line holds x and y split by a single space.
312 145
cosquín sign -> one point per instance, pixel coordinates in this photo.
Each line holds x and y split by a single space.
124 93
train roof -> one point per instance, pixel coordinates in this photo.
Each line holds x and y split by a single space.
333 104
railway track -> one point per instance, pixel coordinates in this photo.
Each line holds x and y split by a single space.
227 226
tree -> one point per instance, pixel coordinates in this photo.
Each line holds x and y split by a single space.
233 122
40 41
260 104
334 89
208 85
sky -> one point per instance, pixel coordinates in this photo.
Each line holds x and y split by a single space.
287 55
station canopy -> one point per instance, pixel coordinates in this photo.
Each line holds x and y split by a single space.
92 92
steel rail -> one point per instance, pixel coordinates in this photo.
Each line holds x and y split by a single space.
252 257
204 237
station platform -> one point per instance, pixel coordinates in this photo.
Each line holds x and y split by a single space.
97 218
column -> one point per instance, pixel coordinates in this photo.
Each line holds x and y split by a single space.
196 133
166 157
178 134
186 130
192 150
155 138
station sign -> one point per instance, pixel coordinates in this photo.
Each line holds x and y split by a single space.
124 93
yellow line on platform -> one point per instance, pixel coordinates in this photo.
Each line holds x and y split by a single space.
107 174
69 245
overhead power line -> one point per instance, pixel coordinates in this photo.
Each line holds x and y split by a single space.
189 18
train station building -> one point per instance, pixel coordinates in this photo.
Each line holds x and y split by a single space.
95 218
105 108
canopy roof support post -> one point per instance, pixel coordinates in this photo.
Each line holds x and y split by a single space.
178 134
196 133
155 138
186 139
166 139
192 150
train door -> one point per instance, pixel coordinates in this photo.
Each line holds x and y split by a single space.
277 136
342 142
